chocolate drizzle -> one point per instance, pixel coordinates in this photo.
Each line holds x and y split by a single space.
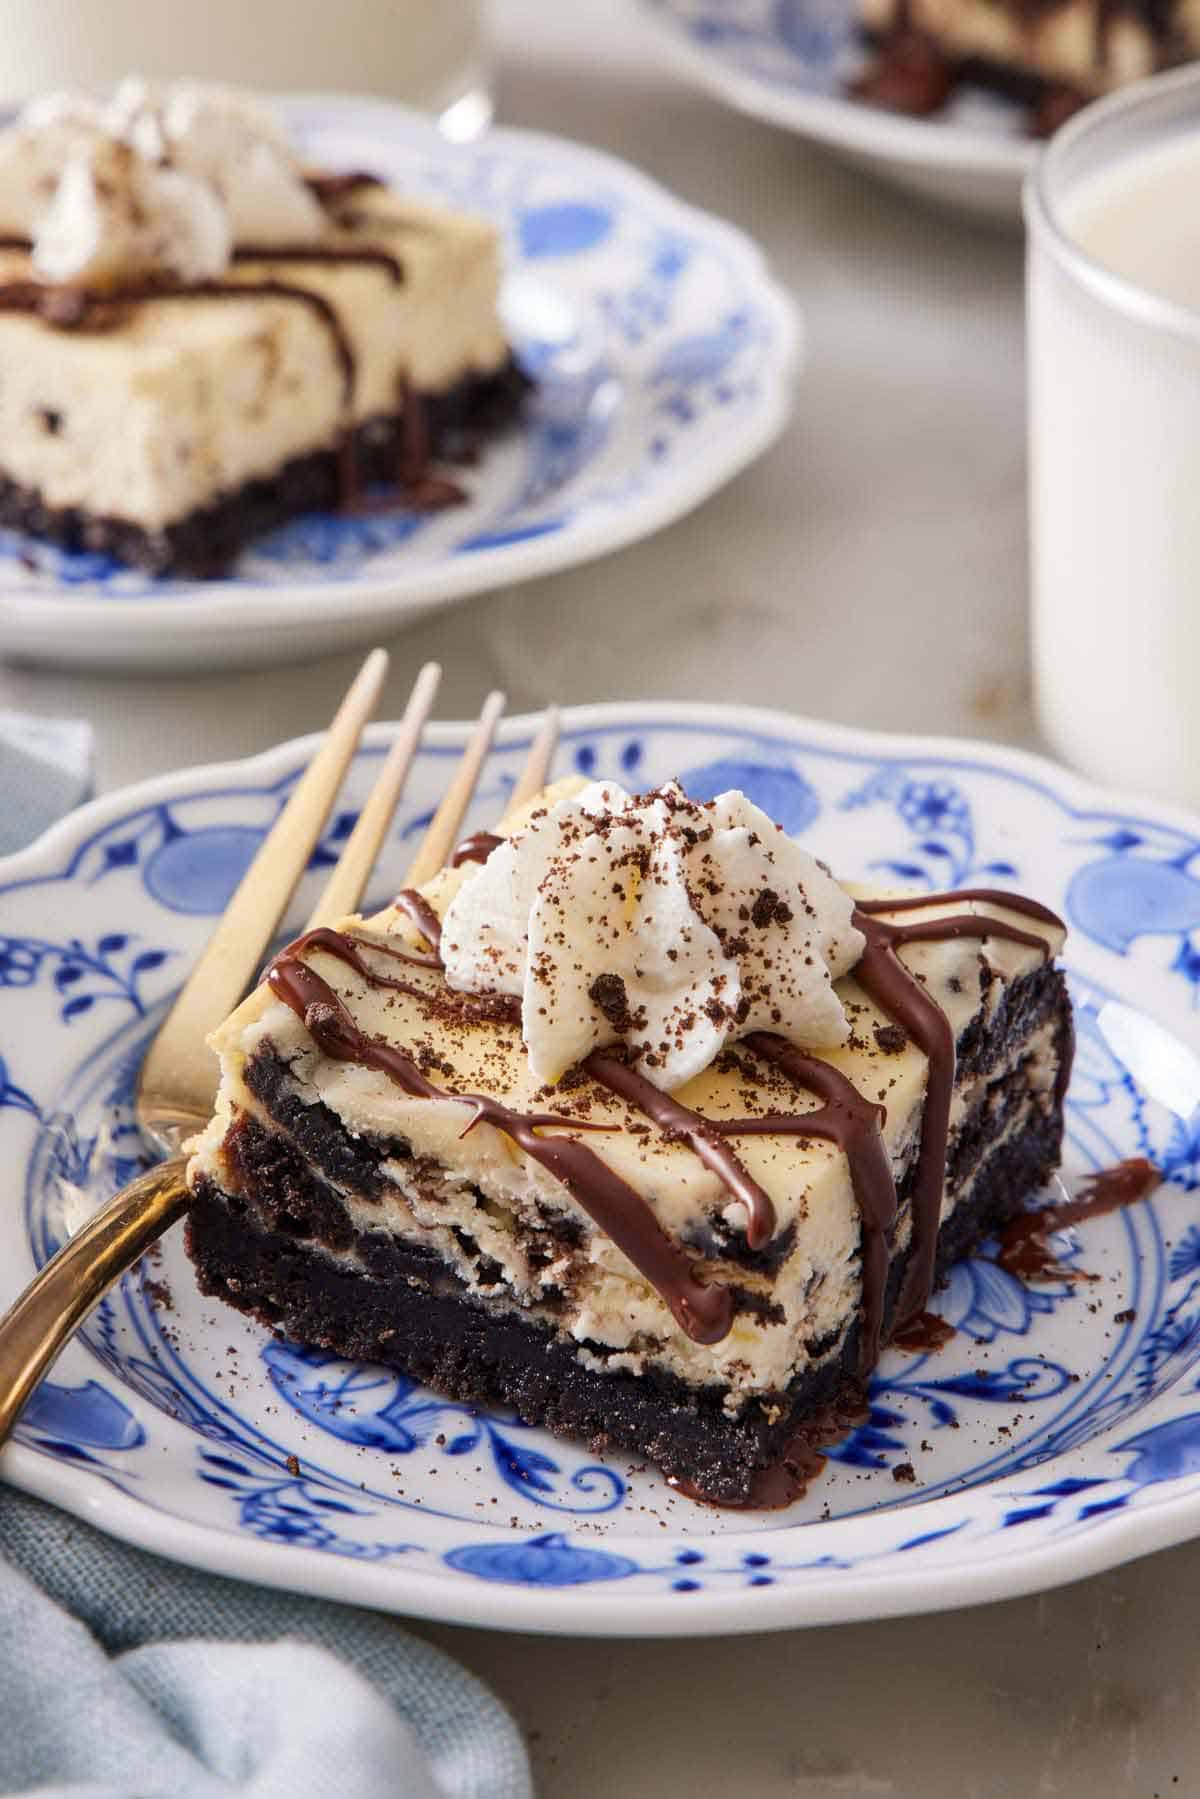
417 908
704 1313
883 976
414 482
844 1117
84 309
367 255
702 1134
476 848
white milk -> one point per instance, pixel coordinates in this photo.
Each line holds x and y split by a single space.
427 52
1114 398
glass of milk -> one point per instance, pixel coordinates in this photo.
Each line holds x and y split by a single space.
429 53
1113 297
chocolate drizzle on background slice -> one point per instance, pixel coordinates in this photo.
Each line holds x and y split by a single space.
331 189
897 992
414 482
365 255
704 1313
84 309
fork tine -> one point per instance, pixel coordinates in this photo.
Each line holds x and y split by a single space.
537 764
348 881
179 1073
446 823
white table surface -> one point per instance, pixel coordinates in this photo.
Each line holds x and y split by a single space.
870 569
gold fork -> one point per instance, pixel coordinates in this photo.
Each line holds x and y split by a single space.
177 1082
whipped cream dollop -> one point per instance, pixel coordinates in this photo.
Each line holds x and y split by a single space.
158 181
664 925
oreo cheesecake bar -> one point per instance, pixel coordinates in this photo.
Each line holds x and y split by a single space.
201 338
1054 54
641 1125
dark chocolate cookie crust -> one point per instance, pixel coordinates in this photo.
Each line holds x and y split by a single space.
460 1347
207 541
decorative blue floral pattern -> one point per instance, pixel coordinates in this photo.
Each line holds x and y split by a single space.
362 1466
110 969
378 1408
937 816
805 46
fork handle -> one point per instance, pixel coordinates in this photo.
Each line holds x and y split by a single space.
59 1298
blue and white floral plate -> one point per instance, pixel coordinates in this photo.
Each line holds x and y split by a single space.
1057 1434
665 359
789 61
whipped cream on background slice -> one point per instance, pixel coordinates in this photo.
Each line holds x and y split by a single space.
240 149
158 181
115 217
656 923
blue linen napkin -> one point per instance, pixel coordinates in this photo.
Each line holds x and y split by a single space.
123 1676
45 770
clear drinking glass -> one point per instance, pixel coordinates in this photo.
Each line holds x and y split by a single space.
429 53
1114 457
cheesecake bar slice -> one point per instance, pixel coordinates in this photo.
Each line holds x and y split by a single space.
650 1216
194 380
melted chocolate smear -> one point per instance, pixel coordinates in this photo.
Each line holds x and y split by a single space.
788 1479
416 484
909 75
476 848
1024 1248
421 487
348 950
925 1334
1054 106
699 1133
855 1126
896 991
704 1313
417 908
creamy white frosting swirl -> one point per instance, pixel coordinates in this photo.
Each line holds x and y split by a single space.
657 923
158 181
